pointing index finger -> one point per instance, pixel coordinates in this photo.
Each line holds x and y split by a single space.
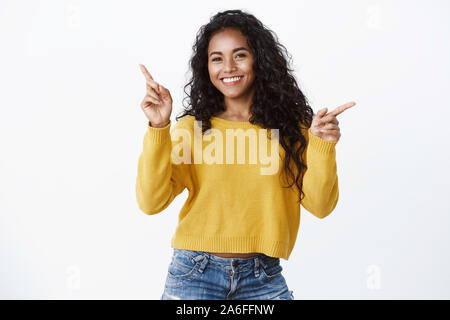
147 74
342 108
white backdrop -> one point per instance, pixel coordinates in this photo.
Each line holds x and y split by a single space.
71 132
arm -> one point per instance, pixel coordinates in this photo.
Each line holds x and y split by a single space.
320 181
158 181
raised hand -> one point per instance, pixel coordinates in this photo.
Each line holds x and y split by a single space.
325 125
157 103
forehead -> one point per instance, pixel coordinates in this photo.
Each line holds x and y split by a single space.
227 40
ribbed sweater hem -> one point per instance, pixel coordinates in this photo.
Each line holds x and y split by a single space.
223 244
158 135
322 146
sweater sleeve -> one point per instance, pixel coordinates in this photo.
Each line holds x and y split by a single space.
320 181
158 180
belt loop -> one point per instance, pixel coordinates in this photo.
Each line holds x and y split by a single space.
197 258
261 260
256 267
204 263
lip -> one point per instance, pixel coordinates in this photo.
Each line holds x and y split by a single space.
231 83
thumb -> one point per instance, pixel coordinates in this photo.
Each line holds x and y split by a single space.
164 92
163 89
322 112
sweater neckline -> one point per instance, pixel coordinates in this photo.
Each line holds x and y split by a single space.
231 123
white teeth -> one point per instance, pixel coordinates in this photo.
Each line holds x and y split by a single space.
231 79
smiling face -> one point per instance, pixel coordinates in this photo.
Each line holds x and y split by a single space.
230 58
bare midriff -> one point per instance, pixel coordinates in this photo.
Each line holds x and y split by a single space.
235 255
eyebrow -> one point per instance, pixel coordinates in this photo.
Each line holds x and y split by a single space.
234 50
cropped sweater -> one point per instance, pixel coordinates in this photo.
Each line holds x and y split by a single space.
238 201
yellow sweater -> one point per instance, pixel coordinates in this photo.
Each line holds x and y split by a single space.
234 204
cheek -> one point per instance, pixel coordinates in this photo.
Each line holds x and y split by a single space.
251 75
212 74
249 71
210 70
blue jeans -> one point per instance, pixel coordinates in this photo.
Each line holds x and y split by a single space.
198 275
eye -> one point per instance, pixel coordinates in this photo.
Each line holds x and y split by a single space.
239 54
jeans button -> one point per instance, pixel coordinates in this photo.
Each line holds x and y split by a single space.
235 263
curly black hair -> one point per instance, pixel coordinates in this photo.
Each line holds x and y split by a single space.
277 103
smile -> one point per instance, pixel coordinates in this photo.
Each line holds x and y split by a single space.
231 81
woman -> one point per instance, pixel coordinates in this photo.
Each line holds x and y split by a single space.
239 218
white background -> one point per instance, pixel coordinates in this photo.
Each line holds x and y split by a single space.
71 131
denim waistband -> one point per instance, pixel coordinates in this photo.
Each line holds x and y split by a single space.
261 258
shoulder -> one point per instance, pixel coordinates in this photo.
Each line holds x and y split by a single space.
186 122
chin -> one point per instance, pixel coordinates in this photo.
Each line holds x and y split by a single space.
233 95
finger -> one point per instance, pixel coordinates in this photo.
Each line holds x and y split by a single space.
342 108
321 113
334 133
326 120
162 89
153 84
148 99
156 86
330 126
329 118
153 87
334 120
144 70
154 96
329 130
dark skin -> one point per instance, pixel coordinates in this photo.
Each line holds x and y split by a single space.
225 61
230 56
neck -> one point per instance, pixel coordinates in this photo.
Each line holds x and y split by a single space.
238 108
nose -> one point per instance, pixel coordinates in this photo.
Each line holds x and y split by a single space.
229 66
